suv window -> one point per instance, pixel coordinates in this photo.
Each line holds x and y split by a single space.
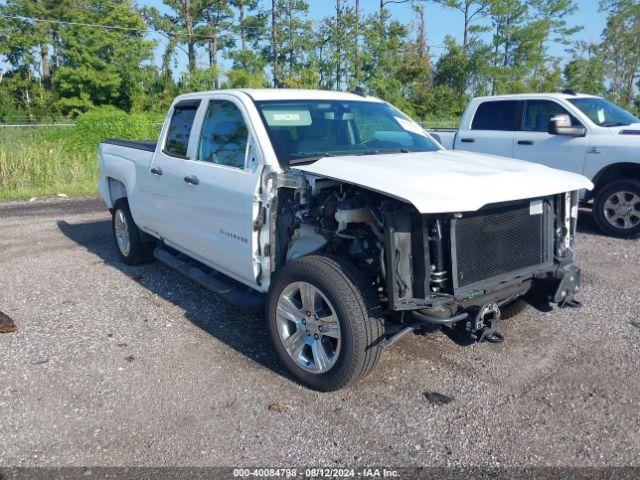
180 128
224 135
537 114
501 115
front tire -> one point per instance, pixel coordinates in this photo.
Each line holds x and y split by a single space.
128 238
513 309
616 209
324 320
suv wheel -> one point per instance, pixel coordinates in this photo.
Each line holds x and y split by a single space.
128 238
323 317
617 208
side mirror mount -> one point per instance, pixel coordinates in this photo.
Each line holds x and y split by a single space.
561 125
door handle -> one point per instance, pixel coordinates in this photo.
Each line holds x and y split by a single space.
192 180
156 171
468 140
526 142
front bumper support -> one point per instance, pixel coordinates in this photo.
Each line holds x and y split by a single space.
568 287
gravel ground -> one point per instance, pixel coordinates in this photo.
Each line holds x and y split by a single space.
115 365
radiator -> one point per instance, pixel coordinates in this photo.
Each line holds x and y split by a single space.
497 242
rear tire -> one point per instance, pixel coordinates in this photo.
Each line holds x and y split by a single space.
128 238
323 354
616 209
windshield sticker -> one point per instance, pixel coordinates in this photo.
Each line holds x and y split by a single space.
410 126
287 118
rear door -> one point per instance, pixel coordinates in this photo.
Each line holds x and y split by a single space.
219 183
492 128
165 178
534 144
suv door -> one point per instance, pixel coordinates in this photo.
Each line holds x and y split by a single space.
220 183
534 144
492 128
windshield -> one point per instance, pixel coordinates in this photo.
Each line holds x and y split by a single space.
306 130
604 113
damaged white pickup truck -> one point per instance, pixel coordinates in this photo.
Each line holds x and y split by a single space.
346 218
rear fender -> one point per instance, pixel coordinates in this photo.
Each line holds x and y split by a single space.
117 190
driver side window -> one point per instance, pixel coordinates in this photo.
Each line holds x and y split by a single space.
537 114
224 135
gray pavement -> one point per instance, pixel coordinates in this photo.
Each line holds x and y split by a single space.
120 366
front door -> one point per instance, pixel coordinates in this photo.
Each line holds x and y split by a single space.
534 144
220 184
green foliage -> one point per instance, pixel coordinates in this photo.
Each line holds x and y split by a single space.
49 160
240 78
108 122
73 66
64 70
44 166
106 77
586 71
620 49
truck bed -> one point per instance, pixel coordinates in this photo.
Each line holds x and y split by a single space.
445 136
146 145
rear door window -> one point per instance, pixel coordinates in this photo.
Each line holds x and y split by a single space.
501 115
180 127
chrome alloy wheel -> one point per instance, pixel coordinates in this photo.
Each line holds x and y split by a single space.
622 210
121 229
308 327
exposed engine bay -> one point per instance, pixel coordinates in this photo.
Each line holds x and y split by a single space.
334 218
442 269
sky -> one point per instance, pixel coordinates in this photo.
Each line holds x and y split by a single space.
439 21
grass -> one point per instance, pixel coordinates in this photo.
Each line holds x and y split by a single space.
28 170
39 161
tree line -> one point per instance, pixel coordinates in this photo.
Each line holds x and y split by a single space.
66 57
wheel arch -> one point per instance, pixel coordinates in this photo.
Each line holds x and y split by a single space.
615 171
117 190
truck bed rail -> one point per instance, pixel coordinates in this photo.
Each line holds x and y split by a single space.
147 145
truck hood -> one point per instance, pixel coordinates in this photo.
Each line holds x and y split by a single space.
632 130
448 181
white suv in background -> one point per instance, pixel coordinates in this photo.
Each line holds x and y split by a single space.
574 132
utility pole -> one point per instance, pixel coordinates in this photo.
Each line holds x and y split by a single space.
274 45
422 49
338 44
188 25
243 35
357 45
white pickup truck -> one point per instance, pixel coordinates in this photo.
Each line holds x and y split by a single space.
574 132
345 217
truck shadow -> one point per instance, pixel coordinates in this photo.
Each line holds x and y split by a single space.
587 224
244 333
